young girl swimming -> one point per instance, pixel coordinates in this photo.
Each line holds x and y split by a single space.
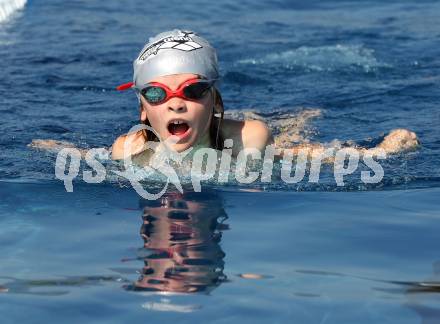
175 79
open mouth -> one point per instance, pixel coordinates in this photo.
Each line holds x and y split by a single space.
178 127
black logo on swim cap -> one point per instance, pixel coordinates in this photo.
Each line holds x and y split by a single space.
182 42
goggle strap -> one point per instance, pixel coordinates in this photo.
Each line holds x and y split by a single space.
125 86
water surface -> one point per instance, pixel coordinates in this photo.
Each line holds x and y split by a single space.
343 70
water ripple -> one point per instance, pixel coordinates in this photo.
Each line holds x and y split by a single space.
322 58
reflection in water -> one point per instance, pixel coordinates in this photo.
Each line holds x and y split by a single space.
182 250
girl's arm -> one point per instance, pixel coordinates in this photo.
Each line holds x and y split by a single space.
398 140
53 146
256 134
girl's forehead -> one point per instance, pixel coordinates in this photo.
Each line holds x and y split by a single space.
175 80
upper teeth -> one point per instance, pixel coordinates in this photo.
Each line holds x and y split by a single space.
177 122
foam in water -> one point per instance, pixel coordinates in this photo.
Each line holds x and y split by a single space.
8 7
288 127
322 58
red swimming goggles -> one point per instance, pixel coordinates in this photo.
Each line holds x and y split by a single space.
156 93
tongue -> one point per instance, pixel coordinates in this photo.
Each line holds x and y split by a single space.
178 129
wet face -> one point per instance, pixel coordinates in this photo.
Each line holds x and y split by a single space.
189 120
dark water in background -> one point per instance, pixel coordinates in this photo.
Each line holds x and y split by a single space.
368 66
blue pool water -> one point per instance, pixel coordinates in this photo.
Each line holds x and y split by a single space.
287 253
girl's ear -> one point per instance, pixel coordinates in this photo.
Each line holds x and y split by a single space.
218 104
144 119
142 113
143 116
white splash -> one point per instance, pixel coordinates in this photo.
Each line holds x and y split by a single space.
166 306
8 7
322 58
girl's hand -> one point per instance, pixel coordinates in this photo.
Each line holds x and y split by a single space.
399 140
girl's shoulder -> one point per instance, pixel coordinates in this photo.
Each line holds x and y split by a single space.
246 134
128 145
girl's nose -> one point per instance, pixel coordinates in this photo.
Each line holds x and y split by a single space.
176 104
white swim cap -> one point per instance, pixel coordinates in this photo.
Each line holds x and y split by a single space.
173 52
